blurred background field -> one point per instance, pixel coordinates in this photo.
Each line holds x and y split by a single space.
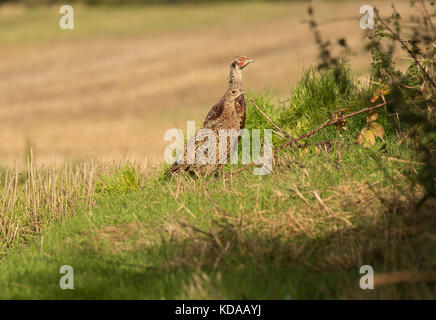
111 87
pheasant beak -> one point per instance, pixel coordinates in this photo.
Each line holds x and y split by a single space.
240 94
247 62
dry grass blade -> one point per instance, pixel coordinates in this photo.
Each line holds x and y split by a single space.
318 198
298 193
403 161
269 119
181 203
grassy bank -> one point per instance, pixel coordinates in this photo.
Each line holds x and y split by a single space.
303 231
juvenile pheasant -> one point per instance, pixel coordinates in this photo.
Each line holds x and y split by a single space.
234 82
227 119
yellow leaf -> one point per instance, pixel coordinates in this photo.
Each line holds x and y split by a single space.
385 90
366 138
377 129
371 117
375 98
344 110
341 125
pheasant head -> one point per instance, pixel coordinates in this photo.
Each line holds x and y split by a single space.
233 94
236 66
241 62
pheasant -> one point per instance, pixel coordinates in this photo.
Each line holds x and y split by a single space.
227 119
235 82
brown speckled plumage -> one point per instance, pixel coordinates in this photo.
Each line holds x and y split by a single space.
228 113
227 119
234 82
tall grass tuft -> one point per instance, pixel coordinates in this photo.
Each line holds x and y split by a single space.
34 197
317 97
124 180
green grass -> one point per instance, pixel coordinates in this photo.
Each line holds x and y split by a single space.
301 232
131 247
120 182
315 98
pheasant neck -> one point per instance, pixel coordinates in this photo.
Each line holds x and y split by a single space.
235 77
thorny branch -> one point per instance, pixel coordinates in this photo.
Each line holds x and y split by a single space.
324 125
405 47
